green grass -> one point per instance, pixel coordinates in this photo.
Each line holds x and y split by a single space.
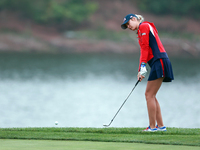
125 36
83 145
173 136
100 34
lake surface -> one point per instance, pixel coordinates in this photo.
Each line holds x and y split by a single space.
86 90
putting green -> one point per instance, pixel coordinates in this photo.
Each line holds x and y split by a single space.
7 144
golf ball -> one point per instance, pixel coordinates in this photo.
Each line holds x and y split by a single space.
56 123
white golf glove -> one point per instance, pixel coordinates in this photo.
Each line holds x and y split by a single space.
143 69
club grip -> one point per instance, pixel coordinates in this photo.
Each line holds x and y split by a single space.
137 82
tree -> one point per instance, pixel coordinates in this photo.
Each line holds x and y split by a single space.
174 7
52 12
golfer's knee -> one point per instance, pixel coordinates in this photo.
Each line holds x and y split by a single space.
149 96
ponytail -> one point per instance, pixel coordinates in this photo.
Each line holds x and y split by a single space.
140 18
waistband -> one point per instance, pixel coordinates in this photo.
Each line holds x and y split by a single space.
161 55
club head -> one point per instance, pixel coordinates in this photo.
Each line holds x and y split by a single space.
106 125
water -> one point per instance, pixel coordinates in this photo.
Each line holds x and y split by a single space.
86 90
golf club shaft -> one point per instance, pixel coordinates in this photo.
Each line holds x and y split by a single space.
123 104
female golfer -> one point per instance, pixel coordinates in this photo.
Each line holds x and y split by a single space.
153 53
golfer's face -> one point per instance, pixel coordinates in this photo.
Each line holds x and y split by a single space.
132 24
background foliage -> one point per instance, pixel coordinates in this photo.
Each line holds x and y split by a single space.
52 11
74 13
184 8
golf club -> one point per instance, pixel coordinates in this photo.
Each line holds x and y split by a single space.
122 105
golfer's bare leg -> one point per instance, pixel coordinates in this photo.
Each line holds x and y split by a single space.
158 115
152 103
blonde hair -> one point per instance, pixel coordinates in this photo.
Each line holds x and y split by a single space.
140 18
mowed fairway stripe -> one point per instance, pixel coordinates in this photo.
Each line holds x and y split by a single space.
10 144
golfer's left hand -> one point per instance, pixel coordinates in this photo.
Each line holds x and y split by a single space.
140 77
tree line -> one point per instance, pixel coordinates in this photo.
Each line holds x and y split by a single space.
189 8
72 13
52 12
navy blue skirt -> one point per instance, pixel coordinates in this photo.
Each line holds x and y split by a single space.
161 68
